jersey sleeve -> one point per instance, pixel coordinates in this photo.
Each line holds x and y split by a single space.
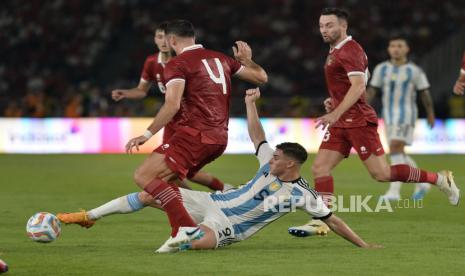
311 202
264 153
147 74
174 71
354 61
421 81
235 65
376 80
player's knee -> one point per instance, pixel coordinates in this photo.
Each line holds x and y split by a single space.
139 177
319 170
381 176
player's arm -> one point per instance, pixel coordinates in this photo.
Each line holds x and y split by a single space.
342 229
256 132
459 87
251 72
138 92
428 105
356 90
371 93
173 96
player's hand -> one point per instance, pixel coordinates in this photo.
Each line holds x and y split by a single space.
252 95
135 143
242 52
328 105
117 95
327 120
431 120
459 88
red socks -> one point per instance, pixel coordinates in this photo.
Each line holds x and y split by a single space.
171 202
324 185
405 173
216 184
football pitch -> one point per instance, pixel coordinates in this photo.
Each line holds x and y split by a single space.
428 240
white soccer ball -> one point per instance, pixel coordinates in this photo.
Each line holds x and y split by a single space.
43 227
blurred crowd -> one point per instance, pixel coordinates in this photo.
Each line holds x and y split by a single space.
63 57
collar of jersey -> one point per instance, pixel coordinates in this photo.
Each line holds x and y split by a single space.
292 181
192 47
340 44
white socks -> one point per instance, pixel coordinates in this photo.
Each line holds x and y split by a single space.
122 205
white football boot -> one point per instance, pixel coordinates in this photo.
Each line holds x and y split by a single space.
185 236
447 186
167 249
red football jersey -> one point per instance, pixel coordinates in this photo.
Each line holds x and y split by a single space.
153 71
463 64
205 104
345 59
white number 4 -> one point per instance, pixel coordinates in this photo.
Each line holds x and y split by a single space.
218 80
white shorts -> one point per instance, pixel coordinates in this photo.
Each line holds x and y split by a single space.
400 132
206 212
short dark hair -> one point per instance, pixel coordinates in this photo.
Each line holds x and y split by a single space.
294 151
180 27
399 37
339 13
160 26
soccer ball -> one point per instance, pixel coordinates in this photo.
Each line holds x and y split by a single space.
43 227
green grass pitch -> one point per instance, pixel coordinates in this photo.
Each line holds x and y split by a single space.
428 240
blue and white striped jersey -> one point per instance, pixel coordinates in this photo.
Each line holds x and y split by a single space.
399 85
266 198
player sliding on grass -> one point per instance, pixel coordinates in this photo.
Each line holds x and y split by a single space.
152 72
352 122
237 214
198 89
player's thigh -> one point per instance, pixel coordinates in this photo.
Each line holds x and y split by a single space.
378 167
325 161
202 177
153 166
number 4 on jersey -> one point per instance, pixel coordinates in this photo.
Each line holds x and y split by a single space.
218 80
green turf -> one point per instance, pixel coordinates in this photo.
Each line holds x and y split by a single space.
429 240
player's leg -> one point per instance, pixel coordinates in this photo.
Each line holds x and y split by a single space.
122 205
381 171
325 161
208 241
397 157
332 151
368 145
152 176
420 188
207 180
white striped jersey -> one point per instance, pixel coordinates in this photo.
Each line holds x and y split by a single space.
399 85
246 207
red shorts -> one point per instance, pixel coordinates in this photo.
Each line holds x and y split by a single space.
185 154
365 141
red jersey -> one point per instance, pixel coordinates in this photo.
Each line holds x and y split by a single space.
205 104
462 70
153 71
346 59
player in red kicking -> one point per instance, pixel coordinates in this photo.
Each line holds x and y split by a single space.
352 122
152 72
198 88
